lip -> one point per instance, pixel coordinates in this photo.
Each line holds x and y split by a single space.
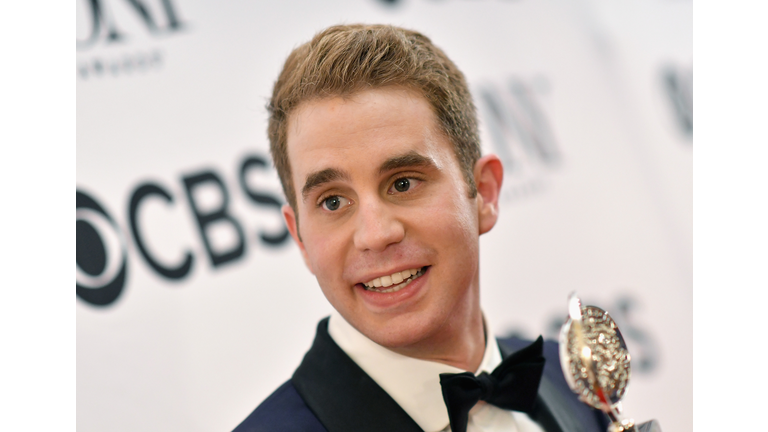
380 302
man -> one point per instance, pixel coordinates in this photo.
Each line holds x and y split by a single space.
374 136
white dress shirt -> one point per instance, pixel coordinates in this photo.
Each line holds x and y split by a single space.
415 384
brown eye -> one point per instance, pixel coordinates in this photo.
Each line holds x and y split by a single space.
402 185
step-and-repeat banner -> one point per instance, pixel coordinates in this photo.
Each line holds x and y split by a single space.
193 303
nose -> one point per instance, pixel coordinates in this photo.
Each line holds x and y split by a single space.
377 226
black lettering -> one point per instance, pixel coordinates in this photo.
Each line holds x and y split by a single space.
679 87
144 14
532 127
98 16
516 122
170 13
498 119
144 191
220 215
645 356
262 198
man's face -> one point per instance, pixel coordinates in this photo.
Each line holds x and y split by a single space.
385 221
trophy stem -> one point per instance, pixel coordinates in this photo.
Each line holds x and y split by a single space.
624 426
618 422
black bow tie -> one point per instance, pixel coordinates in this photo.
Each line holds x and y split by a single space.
513 385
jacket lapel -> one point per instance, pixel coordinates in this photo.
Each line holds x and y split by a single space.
552 412
343 396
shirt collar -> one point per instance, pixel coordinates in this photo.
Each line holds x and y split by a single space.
414 384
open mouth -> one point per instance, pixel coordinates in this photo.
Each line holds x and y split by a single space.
394 282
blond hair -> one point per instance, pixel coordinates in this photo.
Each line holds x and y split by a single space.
345 59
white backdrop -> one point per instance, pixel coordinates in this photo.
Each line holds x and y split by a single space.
587 102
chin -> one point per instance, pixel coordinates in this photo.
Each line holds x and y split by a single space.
399 332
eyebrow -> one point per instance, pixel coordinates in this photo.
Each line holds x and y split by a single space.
407 160
315 179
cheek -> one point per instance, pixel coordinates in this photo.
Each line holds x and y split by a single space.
454 219
327 265
325 252
457 233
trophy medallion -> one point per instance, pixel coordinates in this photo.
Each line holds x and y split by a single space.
596 363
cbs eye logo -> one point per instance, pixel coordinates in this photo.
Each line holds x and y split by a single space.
101 254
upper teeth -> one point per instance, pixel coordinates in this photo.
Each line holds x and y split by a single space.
394 278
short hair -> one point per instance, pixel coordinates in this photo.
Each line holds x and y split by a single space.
345 59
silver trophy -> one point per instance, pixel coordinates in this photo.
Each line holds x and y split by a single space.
595 363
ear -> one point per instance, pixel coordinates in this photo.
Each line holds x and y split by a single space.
489 174
293 227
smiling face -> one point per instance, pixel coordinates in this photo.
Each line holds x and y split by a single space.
385 221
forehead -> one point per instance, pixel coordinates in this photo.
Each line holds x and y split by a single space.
362 130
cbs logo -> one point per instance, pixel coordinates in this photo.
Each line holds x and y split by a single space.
102 257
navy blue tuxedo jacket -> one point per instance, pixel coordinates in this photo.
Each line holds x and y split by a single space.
330 393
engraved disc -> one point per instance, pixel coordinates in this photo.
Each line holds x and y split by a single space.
609 356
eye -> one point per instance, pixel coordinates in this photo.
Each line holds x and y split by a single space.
403 184
333 203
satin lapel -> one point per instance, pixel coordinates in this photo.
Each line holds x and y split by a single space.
552 412
556 409
341 395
